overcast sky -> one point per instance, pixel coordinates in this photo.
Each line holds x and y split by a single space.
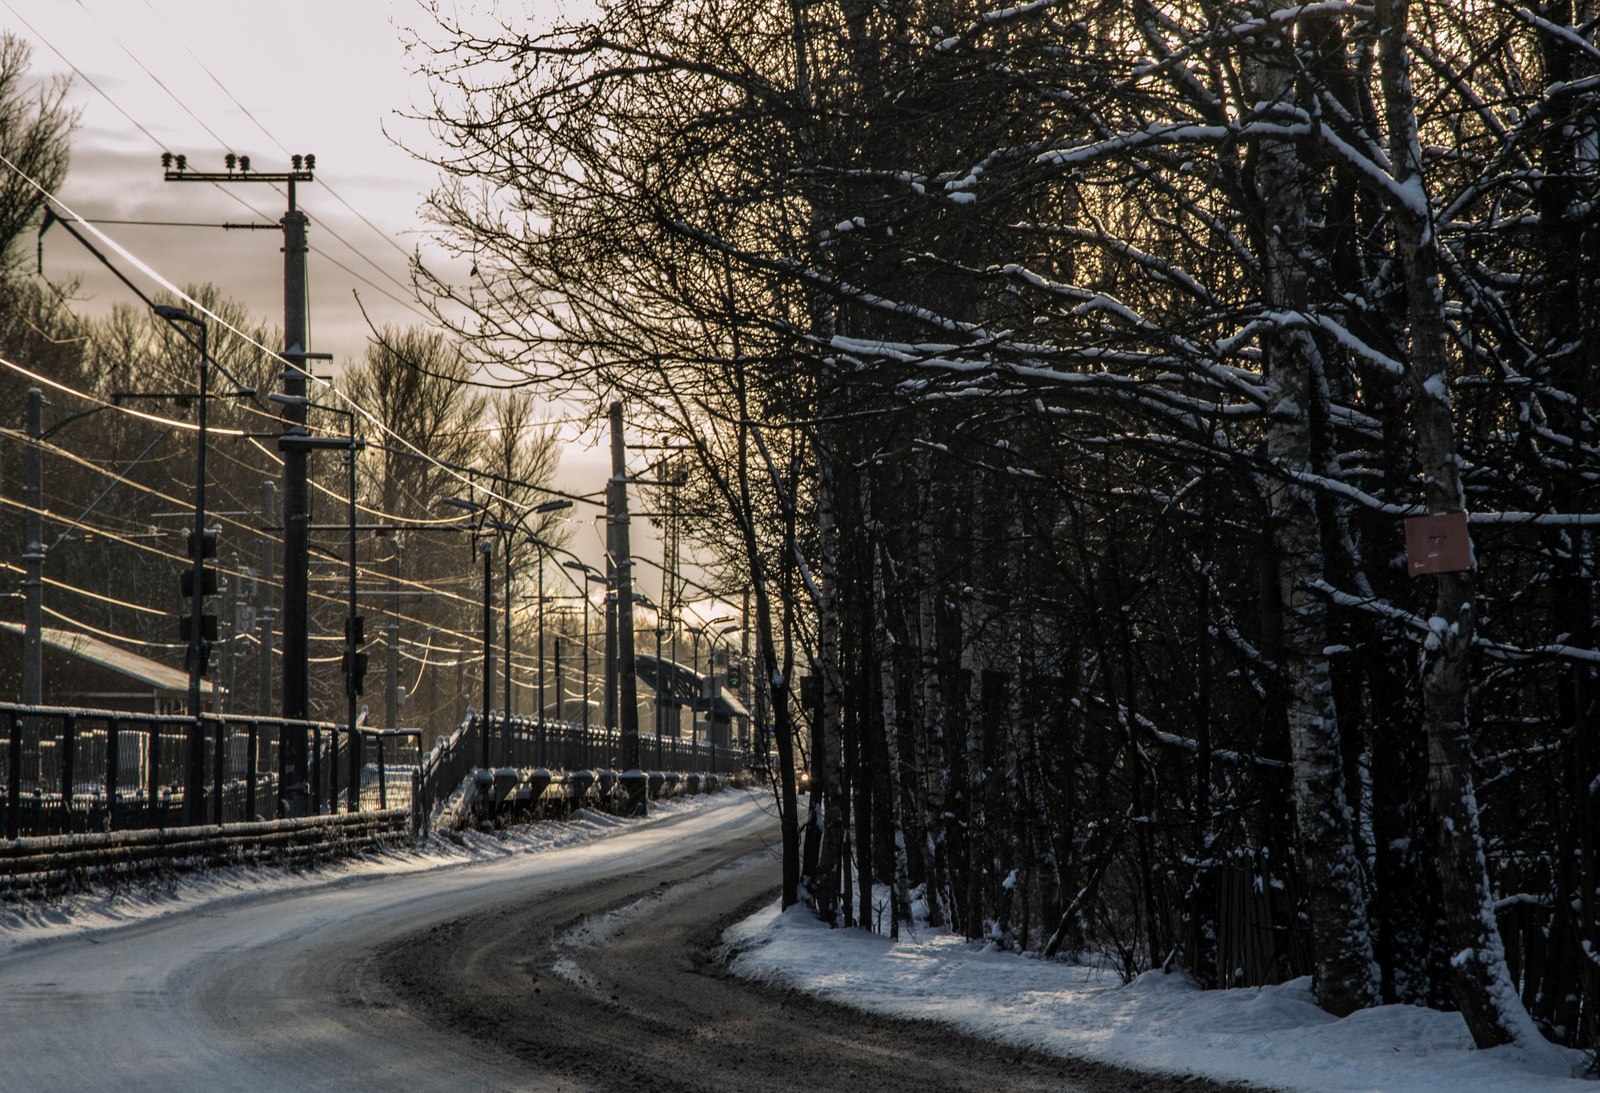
328 77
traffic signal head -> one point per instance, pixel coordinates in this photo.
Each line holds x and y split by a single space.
355 672
208 628
208 582
207 544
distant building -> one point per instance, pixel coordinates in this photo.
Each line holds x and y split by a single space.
86 672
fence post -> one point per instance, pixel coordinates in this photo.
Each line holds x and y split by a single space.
218 746
153 774
251 754
69 767
333 772
316 769
113 770
358 754
419 804
14 777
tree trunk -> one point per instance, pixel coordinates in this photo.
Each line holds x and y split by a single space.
1347 978
891 738
827 760
1480 980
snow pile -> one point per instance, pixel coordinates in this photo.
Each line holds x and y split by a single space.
1272 1036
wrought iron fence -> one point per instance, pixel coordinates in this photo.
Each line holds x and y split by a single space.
528 743
68 771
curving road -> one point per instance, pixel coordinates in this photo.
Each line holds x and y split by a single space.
506 975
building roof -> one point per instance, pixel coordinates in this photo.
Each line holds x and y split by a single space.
122 661
683 686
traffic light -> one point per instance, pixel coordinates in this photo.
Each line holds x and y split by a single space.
201 547
354 662
208 583
735 675
355 672
208 629
208 543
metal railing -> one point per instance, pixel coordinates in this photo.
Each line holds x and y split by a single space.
74 771
68 771
528 743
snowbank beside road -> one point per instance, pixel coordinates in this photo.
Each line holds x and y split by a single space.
1272 1036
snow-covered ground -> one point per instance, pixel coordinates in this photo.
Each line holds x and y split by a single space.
1273 1036
22 924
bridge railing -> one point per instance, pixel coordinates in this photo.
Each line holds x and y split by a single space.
564 745
66 771
527 743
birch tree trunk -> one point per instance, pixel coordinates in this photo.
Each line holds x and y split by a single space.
1346 974
1480 981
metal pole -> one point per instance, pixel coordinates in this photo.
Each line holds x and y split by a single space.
265 612
505 726
628 682
661 684
194 782
487 550
234 601
541 640
610 702
586 660
33 558
392 630
699 685
351 746
296 517
296 502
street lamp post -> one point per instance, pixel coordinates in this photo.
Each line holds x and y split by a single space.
661 674
694 661
588 574
716 688
487 550
194 779
506 528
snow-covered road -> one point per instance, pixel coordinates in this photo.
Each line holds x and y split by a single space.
259 992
